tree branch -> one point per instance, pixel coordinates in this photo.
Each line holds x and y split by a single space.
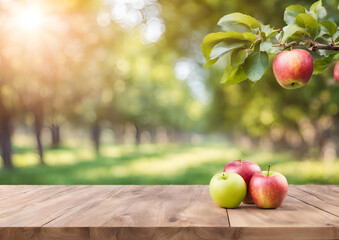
286 45
317 46
312 46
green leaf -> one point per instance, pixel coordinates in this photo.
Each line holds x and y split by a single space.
275 50
256 65
235 27
321 64
238 57
318 9
222 48
213 39
239 18
272 34
233 75
330 26
325 53
292 30
210 62
268 31
306 21
265 46
324 34
335 36
291 12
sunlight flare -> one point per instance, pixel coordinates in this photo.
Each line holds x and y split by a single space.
28 19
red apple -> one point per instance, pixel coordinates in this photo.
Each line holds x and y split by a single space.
246 169
336 72
293 69
268 189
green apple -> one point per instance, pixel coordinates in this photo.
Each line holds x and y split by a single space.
228 189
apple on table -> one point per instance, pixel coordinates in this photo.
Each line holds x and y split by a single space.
268 189
246 169
227 189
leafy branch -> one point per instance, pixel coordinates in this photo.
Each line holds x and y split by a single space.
318 46
312 46
246 44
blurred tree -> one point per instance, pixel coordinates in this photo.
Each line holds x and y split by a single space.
263 110
114 64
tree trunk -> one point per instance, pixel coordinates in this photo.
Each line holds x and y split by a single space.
171 135
322 140
95 133
153 133
5 136
119 133
137 134
5 143
322 137
38 124
55 133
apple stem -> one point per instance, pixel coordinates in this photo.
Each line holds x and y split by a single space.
268 172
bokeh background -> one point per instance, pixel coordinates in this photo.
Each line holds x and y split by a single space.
115 92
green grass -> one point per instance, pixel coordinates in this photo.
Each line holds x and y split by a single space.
155 164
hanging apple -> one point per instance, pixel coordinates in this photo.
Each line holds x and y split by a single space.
336 72
293 69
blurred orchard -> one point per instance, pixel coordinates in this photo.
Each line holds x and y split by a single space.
124 72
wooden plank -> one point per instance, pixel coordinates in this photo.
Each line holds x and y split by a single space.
322 197
149 206
37 233
27 196
121 233
37 210
160 233
124 212
19 233
291 213
10 191
160 212
64 233
284 233
19 195
298 220
328 193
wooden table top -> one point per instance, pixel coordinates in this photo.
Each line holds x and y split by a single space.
161 212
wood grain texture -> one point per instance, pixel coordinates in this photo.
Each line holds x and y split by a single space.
325 198
160 212
148 206
37 208
41 233
19 233
64 233
170 233
115 212
119 233
297 219
284 233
